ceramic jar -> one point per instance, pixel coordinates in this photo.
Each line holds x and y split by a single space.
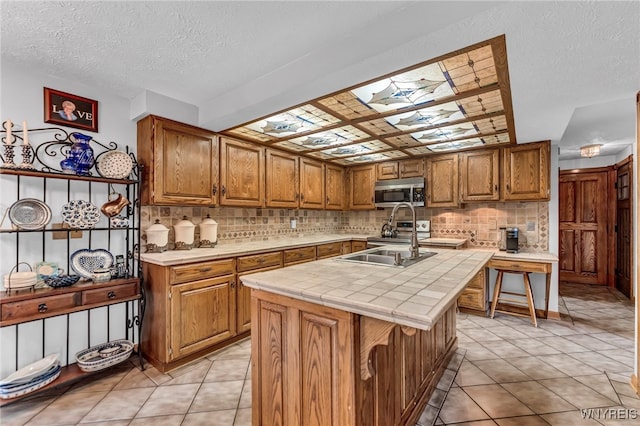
157 237
208 232
101 275
184 231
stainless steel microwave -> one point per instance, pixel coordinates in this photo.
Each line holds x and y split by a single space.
390 192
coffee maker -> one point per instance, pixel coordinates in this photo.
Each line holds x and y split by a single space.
512 240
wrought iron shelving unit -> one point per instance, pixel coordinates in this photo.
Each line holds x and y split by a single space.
40 177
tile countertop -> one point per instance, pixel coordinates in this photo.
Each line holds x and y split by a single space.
415 296
178 257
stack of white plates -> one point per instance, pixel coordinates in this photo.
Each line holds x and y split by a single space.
105 355
20 280
30 378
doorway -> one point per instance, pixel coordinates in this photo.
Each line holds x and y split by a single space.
624 226
584 224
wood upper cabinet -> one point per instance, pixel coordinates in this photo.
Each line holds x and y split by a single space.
242 174
400 169
311 184
442 181
180 163
479 175
526 171
282 179
334 187
361 182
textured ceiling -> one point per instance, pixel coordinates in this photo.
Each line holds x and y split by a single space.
570 63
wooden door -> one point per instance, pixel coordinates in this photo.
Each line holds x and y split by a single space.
311 184
281 179
334 187
583 227
202 313
442 181
624 228
241 174
479 174
526 171
362 180
180 163
387 170
412 168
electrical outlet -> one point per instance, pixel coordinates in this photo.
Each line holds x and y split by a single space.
293 224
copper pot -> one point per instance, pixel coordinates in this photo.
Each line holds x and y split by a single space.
113 207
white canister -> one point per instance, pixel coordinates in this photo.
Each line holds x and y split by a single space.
185 231
157 237
208 232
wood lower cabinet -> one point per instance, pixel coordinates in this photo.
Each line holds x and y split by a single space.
358 245
361 182
180 163
328 250
442 181
474 297
479 175
299 255
526 172
242 177
315 365
312 184
282 179
334 188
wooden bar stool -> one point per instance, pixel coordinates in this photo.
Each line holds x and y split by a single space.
528 295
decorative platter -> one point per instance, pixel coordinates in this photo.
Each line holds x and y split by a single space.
31 371
19 390
105 355
29 214
47 269
80 214
115 165
84 262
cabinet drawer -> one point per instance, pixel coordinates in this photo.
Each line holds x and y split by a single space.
259 261
200 271
32 308
299 255
479 280
109 294
472 298
519 265
328 250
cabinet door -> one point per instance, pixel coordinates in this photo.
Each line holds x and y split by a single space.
180 163
311 184
412 168
243 302
241 174
281 179
334 187
526 171
442 181
387 170
361 183
479 175
202 313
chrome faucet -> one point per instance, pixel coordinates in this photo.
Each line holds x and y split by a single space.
414 249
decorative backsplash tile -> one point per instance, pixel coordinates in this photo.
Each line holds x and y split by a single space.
478 223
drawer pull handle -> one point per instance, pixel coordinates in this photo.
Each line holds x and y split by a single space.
111 295
261 260
204 270
42 308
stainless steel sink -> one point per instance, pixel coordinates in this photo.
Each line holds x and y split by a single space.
398 258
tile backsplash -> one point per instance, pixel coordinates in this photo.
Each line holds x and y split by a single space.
478 223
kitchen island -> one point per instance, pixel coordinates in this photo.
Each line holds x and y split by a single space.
346 343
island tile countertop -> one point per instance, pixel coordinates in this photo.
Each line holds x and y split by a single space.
178 257
443 242
414 296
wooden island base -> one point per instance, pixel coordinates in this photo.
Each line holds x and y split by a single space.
315 365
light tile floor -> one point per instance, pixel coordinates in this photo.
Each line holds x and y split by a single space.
506 372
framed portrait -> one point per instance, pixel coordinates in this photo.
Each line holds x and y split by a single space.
70 110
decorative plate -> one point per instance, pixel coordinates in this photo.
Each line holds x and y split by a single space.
61 281
84 262
115 165
31 371
29 214
80 214
16 391
105 355
47 269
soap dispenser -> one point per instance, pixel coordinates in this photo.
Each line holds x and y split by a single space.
184 230
208 232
